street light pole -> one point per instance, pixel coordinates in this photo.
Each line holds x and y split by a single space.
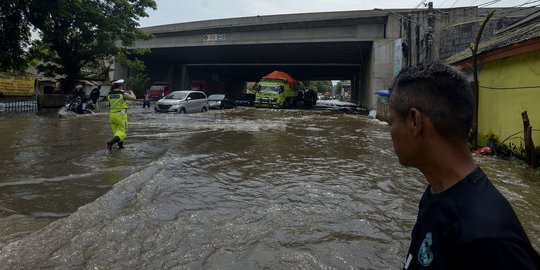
429 32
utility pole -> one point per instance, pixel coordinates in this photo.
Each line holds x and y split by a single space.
409 39
429 33
418 43
475 86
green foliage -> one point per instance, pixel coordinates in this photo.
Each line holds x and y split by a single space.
318 86
14 37
338 87
306 85
98 70
82 33
139 83
128 58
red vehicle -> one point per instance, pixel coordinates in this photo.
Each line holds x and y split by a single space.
159 90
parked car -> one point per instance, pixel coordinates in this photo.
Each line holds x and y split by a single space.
158 90
245 100
185 101
220 101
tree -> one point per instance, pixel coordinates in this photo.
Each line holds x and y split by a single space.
14 37
306 85
139 83
79 33
337 88
475 88
317 86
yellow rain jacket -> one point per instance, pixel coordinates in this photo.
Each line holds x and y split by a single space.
118 112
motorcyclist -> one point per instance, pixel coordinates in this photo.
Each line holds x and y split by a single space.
78 100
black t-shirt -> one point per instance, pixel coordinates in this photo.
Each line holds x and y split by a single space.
469 226
94 94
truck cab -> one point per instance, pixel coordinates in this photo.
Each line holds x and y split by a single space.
274 93
158 90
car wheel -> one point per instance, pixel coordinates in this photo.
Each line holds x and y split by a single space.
203 109
182 111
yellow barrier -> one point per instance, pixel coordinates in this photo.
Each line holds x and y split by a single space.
17 85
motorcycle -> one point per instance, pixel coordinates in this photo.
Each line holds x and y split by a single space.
76 106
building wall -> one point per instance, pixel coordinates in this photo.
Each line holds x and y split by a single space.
456 38
499 111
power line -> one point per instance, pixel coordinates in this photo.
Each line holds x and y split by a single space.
444 2
401 16
520 7
487 4
421 3
530 2
526 3
492 2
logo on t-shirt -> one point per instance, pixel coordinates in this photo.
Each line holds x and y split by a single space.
425 255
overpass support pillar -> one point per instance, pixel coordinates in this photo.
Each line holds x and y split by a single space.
380 72
119 71
355 89
359 88
238 88
185 81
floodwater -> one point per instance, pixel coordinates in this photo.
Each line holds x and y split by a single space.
236 189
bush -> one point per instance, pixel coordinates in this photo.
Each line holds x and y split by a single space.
139 83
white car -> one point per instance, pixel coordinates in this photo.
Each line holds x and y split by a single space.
185 101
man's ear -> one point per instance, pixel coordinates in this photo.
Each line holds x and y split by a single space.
416 123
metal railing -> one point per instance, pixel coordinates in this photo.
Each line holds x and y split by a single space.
18 104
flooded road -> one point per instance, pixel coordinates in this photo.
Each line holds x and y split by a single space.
236 189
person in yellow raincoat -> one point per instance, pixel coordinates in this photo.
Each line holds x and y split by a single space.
118 113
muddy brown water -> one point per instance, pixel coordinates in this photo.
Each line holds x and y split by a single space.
235 189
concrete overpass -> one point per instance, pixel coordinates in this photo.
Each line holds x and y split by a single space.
226 53
362 46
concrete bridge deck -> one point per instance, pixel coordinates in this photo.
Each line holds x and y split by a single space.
364 47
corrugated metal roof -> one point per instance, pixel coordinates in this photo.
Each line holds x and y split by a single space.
521 31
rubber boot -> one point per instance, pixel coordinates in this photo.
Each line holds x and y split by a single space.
112 142
120 144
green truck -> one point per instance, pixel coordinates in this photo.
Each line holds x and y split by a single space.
276 90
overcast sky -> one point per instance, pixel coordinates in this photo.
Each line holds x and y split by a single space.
176 11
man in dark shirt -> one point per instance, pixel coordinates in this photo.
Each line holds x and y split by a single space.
463 221
94 95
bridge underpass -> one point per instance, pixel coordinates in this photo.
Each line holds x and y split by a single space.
367 47
225 54
228 68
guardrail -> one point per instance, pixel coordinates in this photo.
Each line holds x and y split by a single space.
18 104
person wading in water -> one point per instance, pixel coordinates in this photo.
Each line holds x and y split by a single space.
118 113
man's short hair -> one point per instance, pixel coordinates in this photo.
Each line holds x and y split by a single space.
438 90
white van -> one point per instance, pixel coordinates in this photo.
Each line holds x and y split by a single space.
185 101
